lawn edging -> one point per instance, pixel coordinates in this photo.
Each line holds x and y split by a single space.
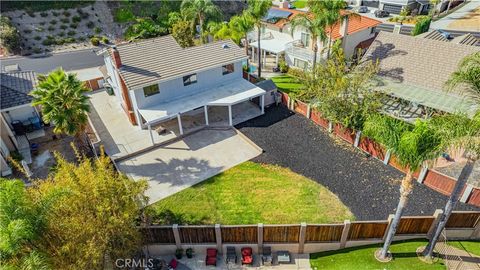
429 177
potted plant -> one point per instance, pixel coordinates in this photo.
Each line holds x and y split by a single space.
179 253
189 252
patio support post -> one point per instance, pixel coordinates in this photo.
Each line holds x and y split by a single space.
151 133
176 236
253 54
180 124
344 237
205 108
387 157
264 58
218 238
262 103
260 236
276 59
303 233
230 120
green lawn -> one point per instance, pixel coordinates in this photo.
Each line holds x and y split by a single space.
300 3
359 258
252 193
472 247
287 83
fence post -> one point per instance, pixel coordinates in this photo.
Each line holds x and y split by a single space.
260 236
308 111
303 233
218 237
330 126
466 193
346 229
176 235
423 173
437 215
387 157
358 135
389 219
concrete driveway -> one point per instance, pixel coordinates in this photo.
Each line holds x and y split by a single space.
181 164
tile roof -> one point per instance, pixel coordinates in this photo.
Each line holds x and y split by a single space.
467 39
422 62
149 61
15 87
435 35
355 24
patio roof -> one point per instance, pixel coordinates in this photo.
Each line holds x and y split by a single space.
226 94
275 44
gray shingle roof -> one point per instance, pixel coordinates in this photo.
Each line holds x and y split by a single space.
417 61
467 39
435 35
15 87
152 60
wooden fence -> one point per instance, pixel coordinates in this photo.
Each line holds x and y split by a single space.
431 178
299 235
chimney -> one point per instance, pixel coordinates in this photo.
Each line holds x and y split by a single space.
344 31
285 4
116 57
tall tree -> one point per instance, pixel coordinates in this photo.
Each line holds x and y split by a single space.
461 132
411 145
315 25
258 9
63 101
97 219
201 11
183 34
243 24
329 12
467 78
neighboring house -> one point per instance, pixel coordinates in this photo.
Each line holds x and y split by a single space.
396 6
19 120
414 70
297 47
156 80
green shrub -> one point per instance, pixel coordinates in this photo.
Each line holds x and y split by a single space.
105 40
405 11
43 14
37 38
123 15
71 33
53 22
16 156
295 72
60 41
98 30
61 34
51 28
69 40
27 31
95 41
63 26
66 13
37 50
74 25
282 65
65 20
76 19
90 24
39 29
48 42
422 26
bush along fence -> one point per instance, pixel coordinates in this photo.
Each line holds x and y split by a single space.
429 177
304 238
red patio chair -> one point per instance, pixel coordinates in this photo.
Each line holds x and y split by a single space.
211 258
247 256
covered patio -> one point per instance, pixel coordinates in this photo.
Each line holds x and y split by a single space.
232 95
273 44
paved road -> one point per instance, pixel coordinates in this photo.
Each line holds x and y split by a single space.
369 188
462 12
73 60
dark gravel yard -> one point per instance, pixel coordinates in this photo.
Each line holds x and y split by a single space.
368 187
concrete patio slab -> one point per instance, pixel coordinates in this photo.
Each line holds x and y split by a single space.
173 167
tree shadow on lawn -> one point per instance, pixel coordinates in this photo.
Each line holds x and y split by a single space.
168 217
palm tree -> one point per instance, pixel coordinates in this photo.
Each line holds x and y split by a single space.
315 25
329 11
201 11
257 9
411 145
467 77
242 25
461 132
63 101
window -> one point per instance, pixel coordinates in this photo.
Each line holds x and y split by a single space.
151 90
189 79
227 69
300 63
305 39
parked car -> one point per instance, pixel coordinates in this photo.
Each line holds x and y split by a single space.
362 9
381 13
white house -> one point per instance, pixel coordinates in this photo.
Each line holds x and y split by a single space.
278 39
156 80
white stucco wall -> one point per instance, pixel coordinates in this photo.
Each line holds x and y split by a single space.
20 113
355 38
115 80
174 89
